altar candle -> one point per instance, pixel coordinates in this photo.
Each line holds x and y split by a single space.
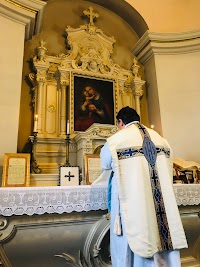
35 123
68 127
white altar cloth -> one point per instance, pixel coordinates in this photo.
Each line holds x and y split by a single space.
60 199
52 199
187 194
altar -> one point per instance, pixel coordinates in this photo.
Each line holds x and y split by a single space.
69 226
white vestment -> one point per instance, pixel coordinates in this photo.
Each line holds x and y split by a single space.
140 245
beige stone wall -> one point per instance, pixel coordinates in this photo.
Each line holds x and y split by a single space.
171 65
169 15
12 46
179 96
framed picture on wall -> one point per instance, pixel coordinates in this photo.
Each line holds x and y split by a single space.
16 170
94 102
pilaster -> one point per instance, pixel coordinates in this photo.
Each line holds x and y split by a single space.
152 43
26 12
171 62
136 86
41 79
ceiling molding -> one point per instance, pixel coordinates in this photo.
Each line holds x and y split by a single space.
152 43
26 12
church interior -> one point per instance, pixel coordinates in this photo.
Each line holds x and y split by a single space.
143 54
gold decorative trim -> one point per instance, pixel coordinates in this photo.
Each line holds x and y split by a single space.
21 6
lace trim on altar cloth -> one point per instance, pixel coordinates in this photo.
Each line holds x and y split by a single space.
40 200
60 199
187 194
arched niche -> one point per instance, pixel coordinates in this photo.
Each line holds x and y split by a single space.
126 12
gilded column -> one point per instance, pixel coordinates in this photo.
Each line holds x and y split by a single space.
41 66
64 81
137 93
41 78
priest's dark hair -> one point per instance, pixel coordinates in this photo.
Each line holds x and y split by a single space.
127 115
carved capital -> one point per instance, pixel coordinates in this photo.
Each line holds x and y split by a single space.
126 90
41 79
64 78
137 88
41 74
138 92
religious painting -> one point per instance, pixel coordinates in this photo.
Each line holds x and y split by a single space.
92 167
93 102
16 170
69 176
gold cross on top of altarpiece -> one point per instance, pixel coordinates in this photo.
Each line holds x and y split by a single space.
91 15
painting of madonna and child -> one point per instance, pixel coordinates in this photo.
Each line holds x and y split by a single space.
93 102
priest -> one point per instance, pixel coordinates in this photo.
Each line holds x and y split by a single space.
146 228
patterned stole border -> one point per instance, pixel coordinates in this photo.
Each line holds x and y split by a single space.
150 151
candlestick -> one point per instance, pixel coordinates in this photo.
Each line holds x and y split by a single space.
67 142
34 166
35 123
68 129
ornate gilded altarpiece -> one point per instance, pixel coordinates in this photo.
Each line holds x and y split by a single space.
59 92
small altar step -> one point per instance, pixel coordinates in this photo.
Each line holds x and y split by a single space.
47 179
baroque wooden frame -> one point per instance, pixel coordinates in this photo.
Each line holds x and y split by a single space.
106 87
16 170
